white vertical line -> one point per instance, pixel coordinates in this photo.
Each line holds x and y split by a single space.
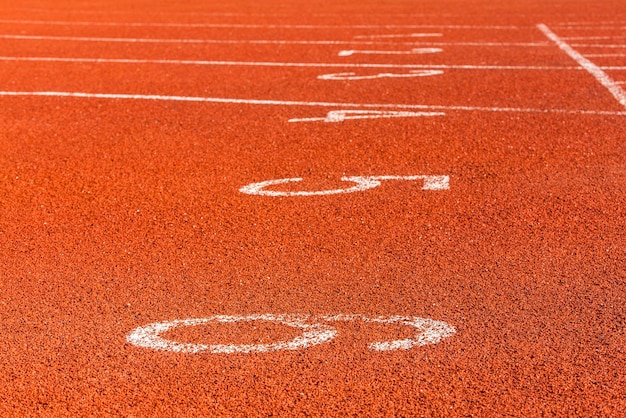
602 77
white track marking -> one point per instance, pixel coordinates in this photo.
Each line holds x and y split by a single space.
350 52
362 183
149 336
606 22
285 64
610 46
257 41
602 77
222 100
354 76
196 41
341 115
243 26
405 35
431 332
605 55
584 38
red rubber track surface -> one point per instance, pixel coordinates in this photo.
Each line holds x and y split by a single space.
116 213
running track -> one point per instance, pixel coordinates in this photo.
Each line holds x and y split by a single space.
381 208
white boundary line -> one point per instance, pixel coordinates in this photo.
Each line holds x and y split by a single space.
259 41
606 55
243 26
587 38
602 77
222 100
286 64
614 46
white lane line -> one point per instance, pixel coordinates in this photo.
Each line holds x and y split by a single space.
402 35
414 51
603 22
243 26
257 41
585 38
287 64
605 55
222 100
613 46
197 41
602 77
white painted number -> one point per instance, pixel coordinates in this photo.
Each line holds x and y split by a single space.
430 331
354 76
349 52
335 116
362 183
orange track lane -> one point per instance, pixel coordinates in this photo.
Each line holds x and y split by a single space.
119 212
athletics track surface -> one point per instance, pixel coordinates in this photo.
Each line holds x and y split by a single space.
340 208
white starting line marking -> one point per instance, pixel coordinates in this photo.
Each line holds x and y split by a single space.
335 116
602 77
430 331
354 76
349 52
362 183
